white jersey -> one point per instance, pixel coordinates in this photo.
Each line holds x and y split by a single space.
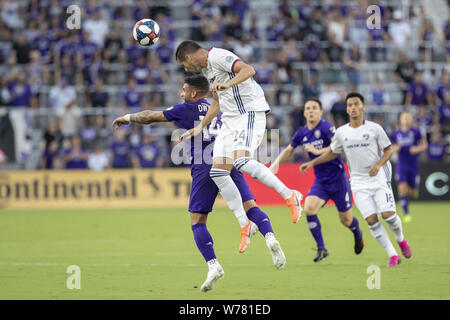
363 147
239 99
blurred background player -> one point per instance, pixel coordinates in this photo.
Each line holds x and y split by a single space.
204 191
331 179
368 150
409 143
244 109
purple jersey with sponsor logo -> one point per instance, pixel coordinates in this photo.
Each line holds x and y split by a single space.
407 139
320 137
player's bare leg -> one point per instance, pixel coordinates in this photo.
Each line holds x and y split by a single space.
204 244
220 174
395 224
380 234
243 161
350 221
263 222
312 206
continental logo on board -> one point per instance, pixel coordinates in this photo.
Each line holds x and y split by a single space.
80 188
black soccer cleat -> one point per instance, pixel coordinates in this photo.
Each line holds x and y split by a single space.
359 245
321 254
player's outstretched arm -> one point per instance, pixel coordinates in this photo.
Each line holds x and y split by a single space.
143 117
328 155
243 72
420 148
282 157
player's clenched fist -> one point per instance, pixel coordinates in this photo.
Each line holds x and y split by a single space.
219 86
305 166
191 133
120 121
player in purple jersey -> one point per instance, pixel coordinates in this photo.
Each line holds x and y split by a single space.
331 179
204 191
408 142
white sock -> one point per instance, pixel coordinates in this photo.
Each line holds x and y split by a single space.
269 236
230 193
261 173
380 234
395 224
213 264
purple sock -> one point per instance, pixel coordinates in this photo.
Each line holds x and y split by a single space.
261 219
316 230
404 202
354 227
204 241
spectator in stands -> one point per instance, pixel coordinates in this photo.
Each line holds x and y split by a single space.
50 155
400 31
378 95
339 110
98 159
70 120
22 49
244 49
164 50
233 27
43 42
119 150
333 58
310 88
87 48
99 97
404 73
443 87
446 37
328 97
358 26
61 95
418 92
132 97
75 157
427 35
337 26
354 60
10 14
443 110
148 153
97 27
436 148
113 45
312 51
140 71
20 91
377 39
316 25
424 120
166 25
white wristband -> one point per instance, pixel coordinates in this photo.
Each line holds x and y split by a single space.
127 117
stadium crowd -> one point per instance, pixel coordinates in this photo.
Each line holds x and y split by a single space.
38 51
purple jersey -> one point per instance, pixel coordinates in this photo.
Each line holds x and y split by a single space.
407 139
436 151
419 93
148 155
444 114
320 137
120 151
189 114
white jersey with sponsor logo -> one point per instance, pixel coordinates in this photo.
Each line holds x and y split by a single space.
363 147
241 98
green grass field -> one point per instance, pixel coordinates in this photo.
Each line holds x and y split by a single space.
151 254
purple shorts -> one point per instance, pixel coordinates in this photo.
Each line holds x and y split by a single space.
339 192
408 175
204 190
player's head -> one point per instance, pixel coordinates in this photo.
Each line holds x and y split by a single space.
195 87
186 56
406 119
355 105
313 110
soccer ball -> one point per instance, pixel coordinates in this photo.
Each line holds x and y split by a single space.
146 32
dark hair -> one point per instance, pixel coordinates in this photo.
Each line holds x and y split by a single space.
198 82
354 95
184 48
315 100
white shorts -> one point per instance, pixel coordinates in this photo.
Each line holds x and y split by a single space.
375 200
240 132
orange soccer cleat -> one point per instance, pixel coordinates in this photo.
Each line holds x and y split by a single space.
294 204
246 233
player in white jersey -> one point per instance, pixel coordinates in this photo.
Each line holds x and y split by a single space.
368 150
244 109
